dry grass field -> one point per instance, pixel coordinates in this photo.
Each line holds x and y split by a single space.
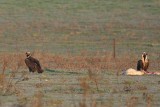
73 40
76 81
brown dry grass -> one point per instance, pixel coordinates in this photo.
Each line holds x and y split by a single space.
12 62
37 100
97 62
93 65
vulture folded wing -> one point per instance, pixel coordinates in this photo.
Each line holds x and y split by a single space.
139 65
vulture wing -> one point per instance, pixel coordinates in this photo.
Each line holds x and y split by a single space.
139 65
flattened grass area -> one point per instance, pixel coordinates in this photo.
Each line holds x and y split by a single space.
59 26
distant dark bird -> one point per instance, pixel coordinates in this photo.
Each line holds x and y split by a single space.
142 65
32 63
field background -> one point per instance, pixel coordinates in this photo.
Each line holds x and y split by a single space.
73 39
60 26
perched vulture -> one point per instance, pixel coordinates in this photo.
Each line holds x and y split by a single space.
32 63
142 65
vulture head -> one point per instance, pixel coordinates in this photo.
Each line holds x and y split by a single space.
28 54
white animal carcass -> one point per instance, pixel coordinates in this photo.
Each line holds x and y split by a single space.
132 71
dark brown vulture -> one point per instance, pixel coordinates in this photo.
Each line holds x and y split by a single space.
32 63
142 65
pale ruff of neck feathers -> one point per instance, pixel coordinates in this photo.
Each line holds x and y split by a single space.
144 60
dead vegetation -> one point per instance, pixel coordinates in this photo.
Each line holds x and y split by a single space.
12 63
97 62
94 66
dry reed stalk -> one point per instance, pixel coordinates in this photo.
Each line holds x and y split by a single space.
5 63
93 76
148 99
2 80
73 99
2 75
37 100
132 102
85 86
